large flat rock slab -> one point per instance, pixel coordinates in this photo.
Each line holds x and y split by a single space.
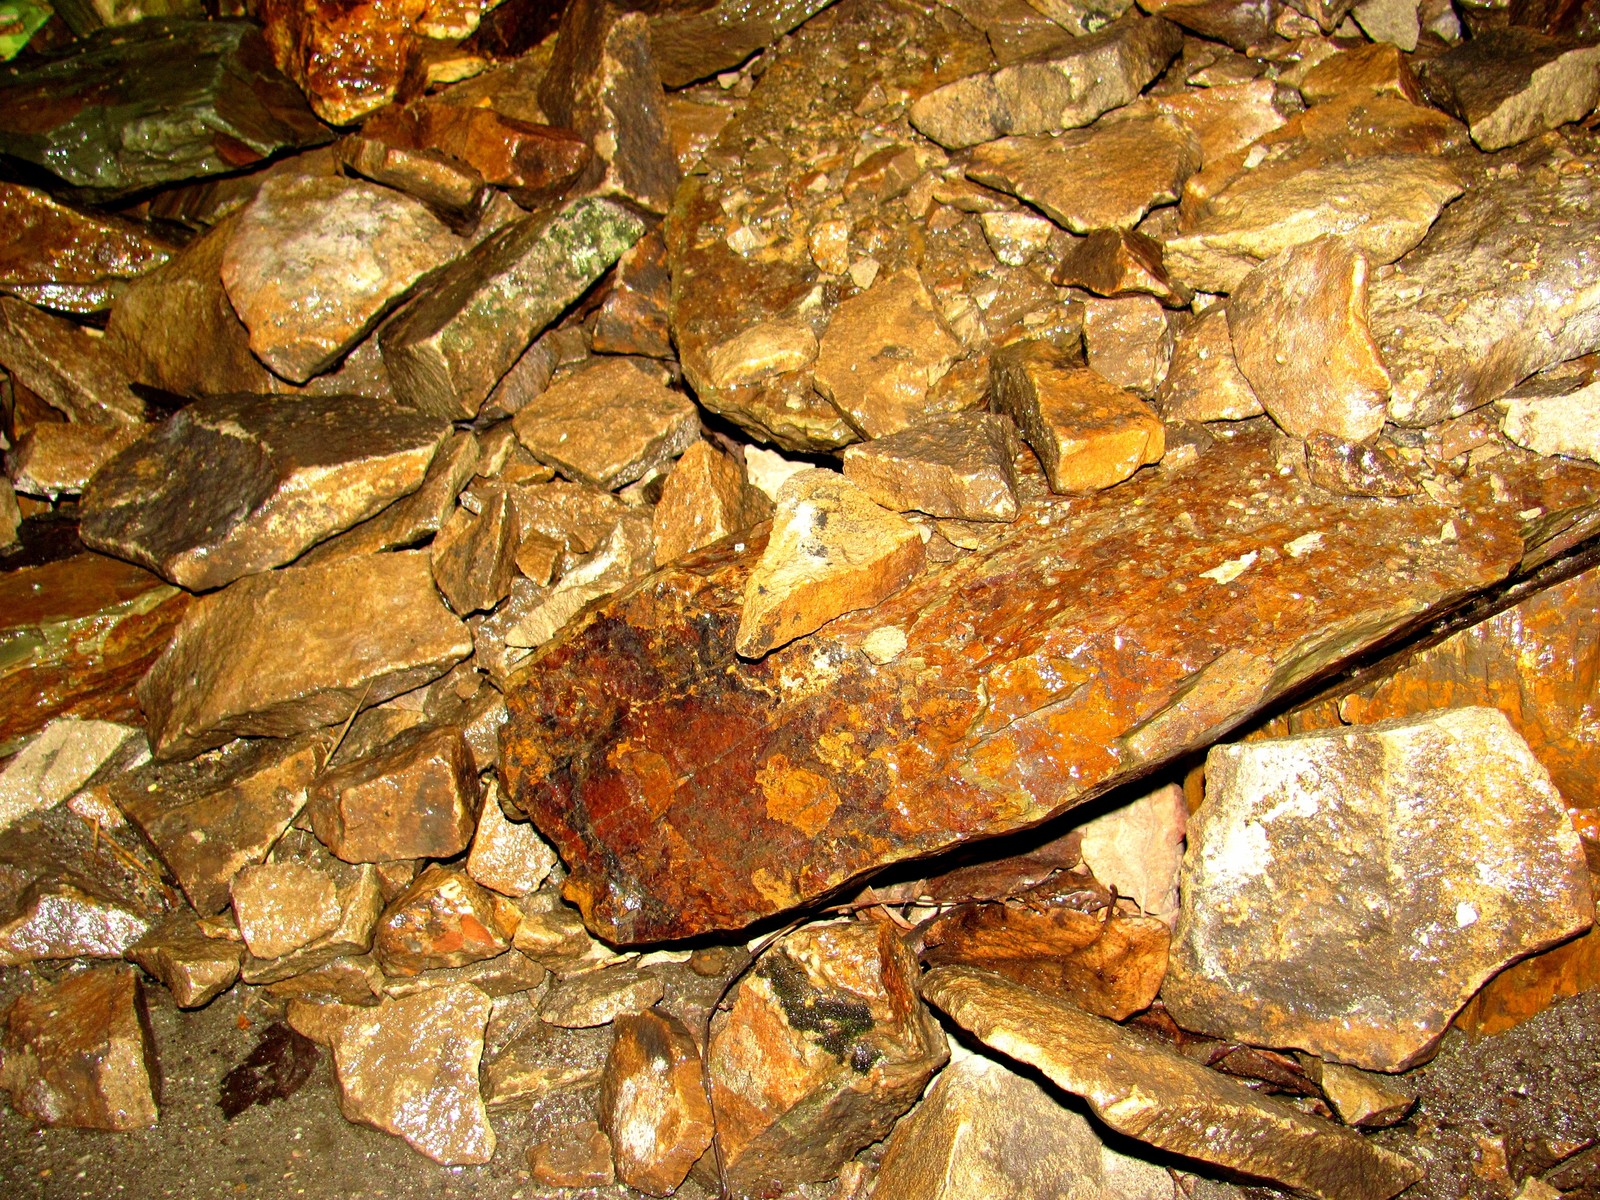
689 791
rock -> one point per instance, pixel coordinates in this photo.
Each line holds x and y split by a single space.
1137 848
1361 1099
10 515
447 348
1378 68
314 262
831 551
1527 988
1204 382
555 938
240 799
1129 343
358 901
1355 468
599 997
579 1157
76 371
410 1067
77 1053
417 797
609 424
985 1133
348 61
273 655
1085 77
959 466
1148 1092
508 857
68 259
1104 177
55 763
1000 738
1383 920
63 916
1118 262
653 1102
1456 331
1299 329
689 45
450 188
79 632
1565 423
632 319
1510 84
603 83
882 354
1225 118
54 458
824 1047
194 966
237 484
474 555
282 906
1088 433
205 92
444 919
705 499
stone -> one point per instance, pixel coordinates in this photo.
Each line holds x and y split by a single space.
79 633
1017 237
68 259
206 92
1203 382
823 1048
603 83
882 354
444 919
1361 1099
274 655
1089 434
831 551
314 262
358 901
10 515
985 1133
237 484
55 763
282 906
1227 118
473 555
1394 21
1379 68
77 1053
653 1102
554 938
1299 329
1000 739
705 499
692 44
1137 848
594 998
958 466
193 965
1454 330
610 423
410 1067
450 188
65 917
770 348
1355 468
1509 85
1153 1094
54 458
580 1156
1118 262
1129 342
348 61
633 319
1565 423
508 857
76 371
450 345
1076 83
417 797
1395 825
1104 177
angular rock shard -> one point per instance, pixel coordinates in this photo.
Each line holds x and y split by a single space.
1510 84
653 1102
960 466
705 499
690 45
66 259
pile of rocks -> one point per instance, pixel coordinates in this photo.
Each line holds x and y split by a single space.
502 494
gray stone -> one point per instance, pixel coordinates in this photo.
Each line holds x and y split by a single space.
55 763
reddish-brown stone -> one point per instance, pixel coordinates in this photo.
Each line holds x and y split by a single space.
68 260
533 162
690 791
442 920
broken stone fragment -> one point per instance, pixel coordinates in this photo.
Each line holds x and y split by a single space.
77 1053
315 261
508 857
831 551
417 797
1129 343
1137 848
1088 433
348 61
653 1102
770 348
1378 68
1367 847
1397 22
1153 1094
205 92
595 998
825 1045
275 654
54 458
1510 84
632 319
882 353
194 965
282 906
450 345
449 187
1299 329
77 371
237 484
985 1133
625 554
410 1067
1104 177
1203 382
694 44
1361 1099
1562 422
1118 262
444 919
1355 468
555 938
359 902
579 1157
474 555
1068 88
706 498
609 423
1226 118
960 466
65 916
68 259
55 763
